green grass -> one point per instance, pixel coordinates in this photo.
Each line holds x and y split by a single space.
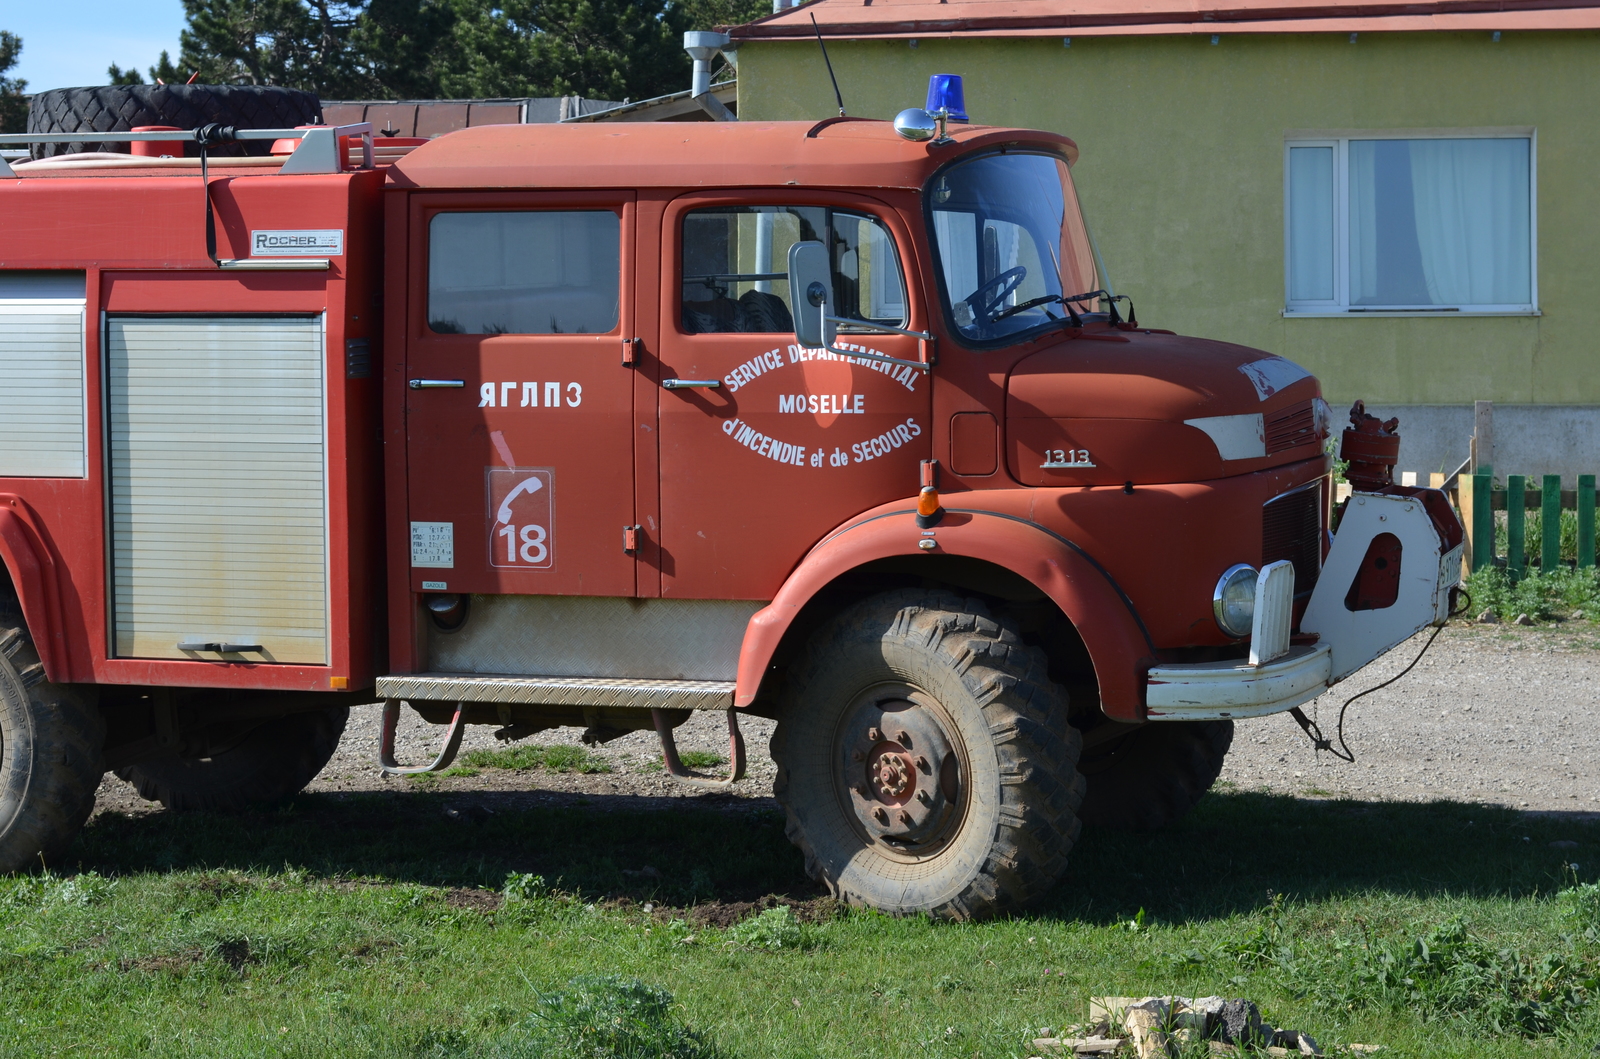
1559 595
701 759
559 758
375 925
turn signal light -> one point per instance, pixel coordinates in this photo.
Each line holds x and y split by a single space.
928 510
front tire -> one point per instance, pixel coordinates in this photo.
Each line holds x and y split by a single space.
51 738
272 762
1150 778
924 760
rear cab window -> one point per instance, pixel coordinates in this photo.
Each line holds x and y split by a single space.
524 272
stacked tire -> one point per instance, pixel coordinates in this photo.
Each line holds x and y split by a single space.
119 108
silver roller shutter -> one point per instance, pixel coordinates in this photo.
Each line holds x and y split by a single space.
41 375
218 486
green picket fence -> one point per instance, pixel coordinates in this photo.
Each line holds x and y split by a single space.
1479 500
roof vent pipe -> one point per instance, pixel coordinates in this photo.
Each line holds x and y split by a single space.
702 47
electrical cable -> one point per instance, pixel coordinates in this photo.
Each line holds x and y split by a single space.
1311 728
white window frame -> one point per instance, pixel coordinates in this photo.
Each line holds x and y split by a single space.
1339 140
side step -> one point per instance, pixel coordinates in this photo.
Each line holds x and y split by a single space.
623 693
653 695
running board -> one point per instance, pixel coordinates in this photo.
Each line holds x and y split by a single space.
618 693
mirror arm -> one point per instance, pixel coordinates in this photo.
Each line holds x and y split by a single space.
874 326
921 366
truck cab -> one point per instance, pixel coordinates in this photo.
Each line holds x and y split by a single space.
597 425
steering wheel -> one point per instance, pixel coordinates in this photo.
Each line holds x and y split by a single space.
1004 284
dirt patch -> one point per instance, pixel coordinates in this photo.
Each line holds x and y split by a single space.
724 914
167 963
485 901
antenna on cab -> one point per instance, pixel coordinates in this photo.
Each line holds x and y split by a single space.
837 97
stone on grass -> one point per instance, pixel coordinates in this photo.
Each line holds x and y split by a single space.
1488 617
1240 1022
1523 619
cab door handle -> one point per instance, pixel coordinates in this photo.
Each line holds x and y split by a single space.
684 384
437 384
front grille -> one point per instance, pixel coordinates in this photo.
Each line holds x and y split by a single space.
1291 428
1291 528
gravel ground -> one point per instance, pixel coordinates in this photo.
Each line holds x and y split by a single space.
1494 714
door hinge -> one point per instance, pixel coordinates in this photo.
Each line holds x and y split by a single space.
631 348
630 540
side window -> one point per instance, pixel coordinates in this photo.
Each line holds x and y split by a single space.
524 273
736 260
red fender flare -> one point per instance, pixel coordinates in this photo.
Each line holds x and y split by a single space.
1118 642
33 574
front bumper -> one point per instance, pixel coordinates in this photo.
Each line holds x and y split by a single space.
1278 677
1211 691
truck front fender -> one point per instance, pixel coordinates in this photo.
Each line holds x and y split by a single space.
33 575
1118 643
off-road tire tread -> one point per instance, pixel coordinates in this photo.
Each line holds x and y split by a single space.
1153 777
274 762
1026 715
118 108
68 734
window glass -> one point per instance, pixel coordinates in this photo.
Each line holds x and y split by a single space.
736 267
524 273
1311 224
1435 223
1011 244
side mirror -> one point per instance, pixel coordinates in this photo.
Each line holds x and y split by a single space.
809 277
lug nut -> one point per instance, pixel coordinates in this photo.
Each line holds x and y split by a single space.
904 739
905 817
874 735
922 796
922 763
881 816
858 756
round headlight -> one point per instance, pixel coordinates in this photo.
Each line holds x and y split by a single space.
1234 601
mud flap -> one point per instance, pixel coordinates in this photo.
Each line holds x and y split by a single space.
1361 607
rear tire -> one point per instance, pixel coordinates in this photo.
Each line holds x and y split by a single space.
269 764
119 108
1151 777
924 760
51 737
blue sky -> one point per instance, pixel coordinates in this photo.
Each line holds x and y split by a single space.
71 42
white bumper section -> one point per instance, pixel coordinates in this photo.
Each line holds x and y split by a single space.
1279 677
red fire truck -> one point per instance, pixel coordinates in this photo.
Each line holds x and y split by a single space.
597 425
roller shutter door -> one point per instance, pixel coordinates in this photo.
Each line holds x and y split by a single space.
218 486
41 375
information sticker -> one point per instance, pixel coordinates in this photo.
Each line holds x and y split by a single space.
433 545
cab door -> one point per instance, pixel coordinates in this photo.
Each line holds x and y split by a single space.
766 446
519 406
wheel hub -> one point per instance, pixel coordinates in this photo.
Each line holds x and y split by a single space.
901 771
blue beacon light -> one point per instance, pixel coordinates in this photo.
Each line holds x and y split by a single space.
944 91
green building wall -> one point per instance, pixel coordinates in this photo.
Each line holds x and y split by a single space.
1181 176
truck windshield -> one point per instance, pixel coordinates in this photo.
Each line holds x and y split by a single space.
1011 241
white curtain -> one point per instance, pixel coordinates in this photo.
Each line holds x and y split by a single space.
1439 222
1471 201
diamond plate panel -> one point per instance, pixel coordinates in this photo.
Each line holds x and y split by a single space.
561 691
596 636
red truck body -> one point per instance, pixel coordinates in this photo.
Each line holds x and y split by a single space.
303 446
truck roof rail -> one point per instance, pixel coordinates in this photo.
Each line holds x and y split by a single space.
318 151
